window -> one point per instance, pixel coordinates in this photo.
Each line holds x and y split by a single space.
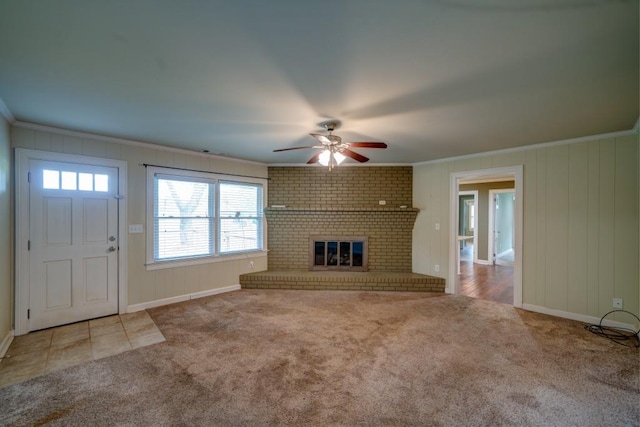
65 180
184 218
201 216
240 217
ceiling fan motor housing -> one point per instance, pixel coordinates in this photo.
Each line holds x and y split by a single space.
334 139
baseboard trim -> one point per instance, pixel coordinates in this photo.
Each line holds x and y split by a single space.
579 317
6 342
503 253
216 291
482 262
181 298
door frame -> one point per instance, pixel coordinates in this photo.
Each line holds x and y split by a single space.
22 285
492 223
517 173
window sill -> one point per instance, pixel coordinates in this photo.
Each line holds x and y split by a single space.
160 265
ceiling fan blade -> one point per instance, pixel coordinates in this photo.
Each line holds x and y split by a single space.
368 144
315 158
321 138
354 155
294 148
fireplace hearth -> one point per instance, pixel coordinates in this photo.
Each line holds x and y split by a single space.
345 253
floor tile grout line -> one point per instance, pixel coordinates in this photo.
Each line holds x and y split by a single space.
46 363
50 344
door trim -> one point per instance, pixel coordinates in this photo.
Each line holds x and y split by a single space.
517 172
22 158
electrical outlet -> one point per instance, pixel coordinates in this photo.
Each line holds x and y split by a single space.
617 303
437 226
437 267
251 265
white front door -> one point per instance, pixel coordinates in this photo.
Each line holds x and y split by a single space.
73 232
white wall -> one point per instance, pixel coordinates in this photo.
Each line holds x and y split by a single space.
580 231
6 234
147 286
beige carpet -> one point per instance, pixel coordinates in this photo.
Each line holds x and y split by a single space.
345 358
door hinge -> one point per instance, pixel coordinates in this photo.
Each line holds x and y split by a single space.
28 245
29 313
28 176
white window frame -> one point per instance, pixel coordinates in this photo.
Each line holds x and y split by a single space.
214 178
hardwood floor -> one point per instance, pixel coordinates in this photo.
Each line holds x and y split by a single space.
488 282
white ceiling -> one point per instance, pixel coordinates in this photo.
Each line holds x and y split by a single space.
433 79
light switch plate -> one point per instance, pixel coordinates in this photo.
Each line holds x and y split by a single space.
135 228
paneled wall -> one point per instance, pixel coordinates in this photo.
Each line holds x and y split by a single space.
6 233
145 286
580 231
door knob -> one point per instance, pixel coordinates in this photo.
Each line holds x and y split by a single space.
111 249
112 238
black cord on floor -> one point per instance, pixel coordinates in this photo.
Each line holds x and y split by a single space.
617 335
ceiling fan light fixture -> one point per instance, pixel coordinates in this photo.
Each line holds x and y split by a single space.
328 158
333 150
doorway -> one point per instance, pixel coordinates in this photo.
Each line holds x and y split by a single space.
483 267
467 226
70 239
501 242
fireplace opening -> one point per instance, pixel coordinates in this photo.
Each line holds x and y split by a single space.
338 253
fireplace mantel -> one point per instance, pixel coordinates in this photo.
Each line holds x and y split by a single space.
276 209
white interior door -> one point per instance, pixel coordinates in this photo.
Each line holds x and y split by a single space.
73 231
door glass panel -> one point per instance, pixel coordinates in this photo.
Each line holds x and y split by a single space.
85 181
345 254
69 181
102 182
357 254
319 253
332 253
50 179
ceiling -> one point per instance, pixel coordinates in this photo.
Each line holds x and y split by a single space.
433 79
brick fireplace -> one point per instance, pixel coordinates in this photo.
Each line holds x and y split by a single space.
389 234
311 201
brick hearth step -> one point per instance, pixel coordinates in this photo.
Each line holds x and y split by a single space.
337 280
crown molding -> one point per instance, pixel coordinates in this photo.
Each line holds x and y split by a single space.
533 146
115 140
4 110
341 165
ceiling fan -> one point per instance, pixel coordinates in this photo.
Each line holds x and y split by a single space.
334 151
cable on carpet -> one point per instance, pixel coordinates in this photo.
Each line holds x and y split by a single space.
618 335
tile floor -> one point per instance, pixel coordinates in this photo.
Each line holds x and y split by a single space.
51 349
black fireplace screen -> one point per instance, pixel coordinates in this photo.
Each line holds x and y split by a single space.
329 253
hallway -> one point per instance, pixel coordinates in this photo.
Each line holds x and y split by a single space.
488 282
